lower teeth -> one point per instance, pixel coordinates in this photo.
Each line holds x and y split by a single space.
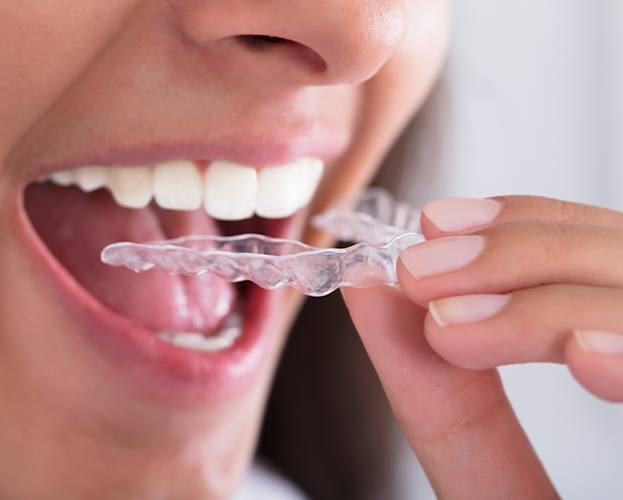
220 341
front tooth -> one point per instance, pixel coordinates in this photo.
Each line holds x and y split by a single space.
313 169
283 190
199 342
131 187
177 185
91 178
230 191
62 178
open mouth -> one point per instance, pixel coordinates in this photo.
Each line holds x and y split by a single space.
79 211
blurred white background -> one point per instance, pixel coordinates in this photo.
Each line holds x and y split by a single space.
533 104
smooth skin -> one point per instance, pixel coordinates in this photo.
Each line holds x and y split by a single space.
539 282
83 77
79 75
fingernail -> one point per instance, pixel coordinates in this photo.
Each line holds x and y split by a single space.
599 341
457 214
466 309
442 255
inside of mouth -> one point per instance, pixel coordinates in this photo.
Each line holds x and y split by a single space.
66 218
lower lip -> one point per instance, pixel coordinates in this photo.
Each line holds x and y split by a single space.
156 367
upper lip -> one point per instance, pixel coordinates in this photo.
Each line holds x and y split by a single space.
255 152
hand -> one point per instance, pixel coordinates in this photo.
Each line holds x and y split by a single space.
509 280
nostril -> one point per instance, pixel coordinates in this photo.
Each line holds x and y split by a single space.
294 50
261 41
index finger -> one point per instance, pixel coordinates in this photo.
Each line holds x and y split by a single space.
466 215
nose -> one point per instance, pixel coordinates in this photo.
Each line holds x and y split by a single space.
316 42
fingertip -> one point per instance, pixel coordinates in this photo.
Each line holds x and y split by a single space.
458 215
415 290
455 344
600 374
436 315
429 229
436 268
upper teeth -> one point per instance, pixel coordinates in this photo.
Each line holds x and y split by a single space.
226 190
131 187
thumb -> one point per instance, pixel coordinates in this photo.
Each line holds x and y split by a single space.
459 422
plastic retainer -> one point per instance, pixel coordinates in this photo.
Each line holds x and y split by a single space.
382 227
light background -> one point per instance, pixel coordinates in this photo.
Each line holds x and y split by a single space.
533 104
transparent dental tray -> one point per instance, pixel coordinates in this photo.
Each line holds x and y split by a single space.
380 226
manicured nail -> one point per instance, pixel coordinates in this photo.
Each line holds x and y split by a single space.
466 309
458 214
599 341
442 255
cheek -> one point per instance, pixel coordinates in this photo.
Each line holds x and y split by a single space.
341 106
423 50
45 46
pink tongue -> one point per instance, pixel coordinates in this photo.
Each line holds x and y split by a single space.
76 226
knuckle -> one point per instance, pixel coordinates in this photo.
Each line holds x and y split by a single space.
554 238
570 213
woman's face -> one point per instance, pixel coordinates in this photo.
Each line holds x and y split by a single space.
95 398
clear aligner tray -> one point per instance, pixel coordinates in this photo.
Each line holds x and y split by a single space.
381 227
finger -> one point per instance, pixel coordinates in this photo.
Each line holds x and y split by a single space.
465 215
512 256
459 422
486 331
595 357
